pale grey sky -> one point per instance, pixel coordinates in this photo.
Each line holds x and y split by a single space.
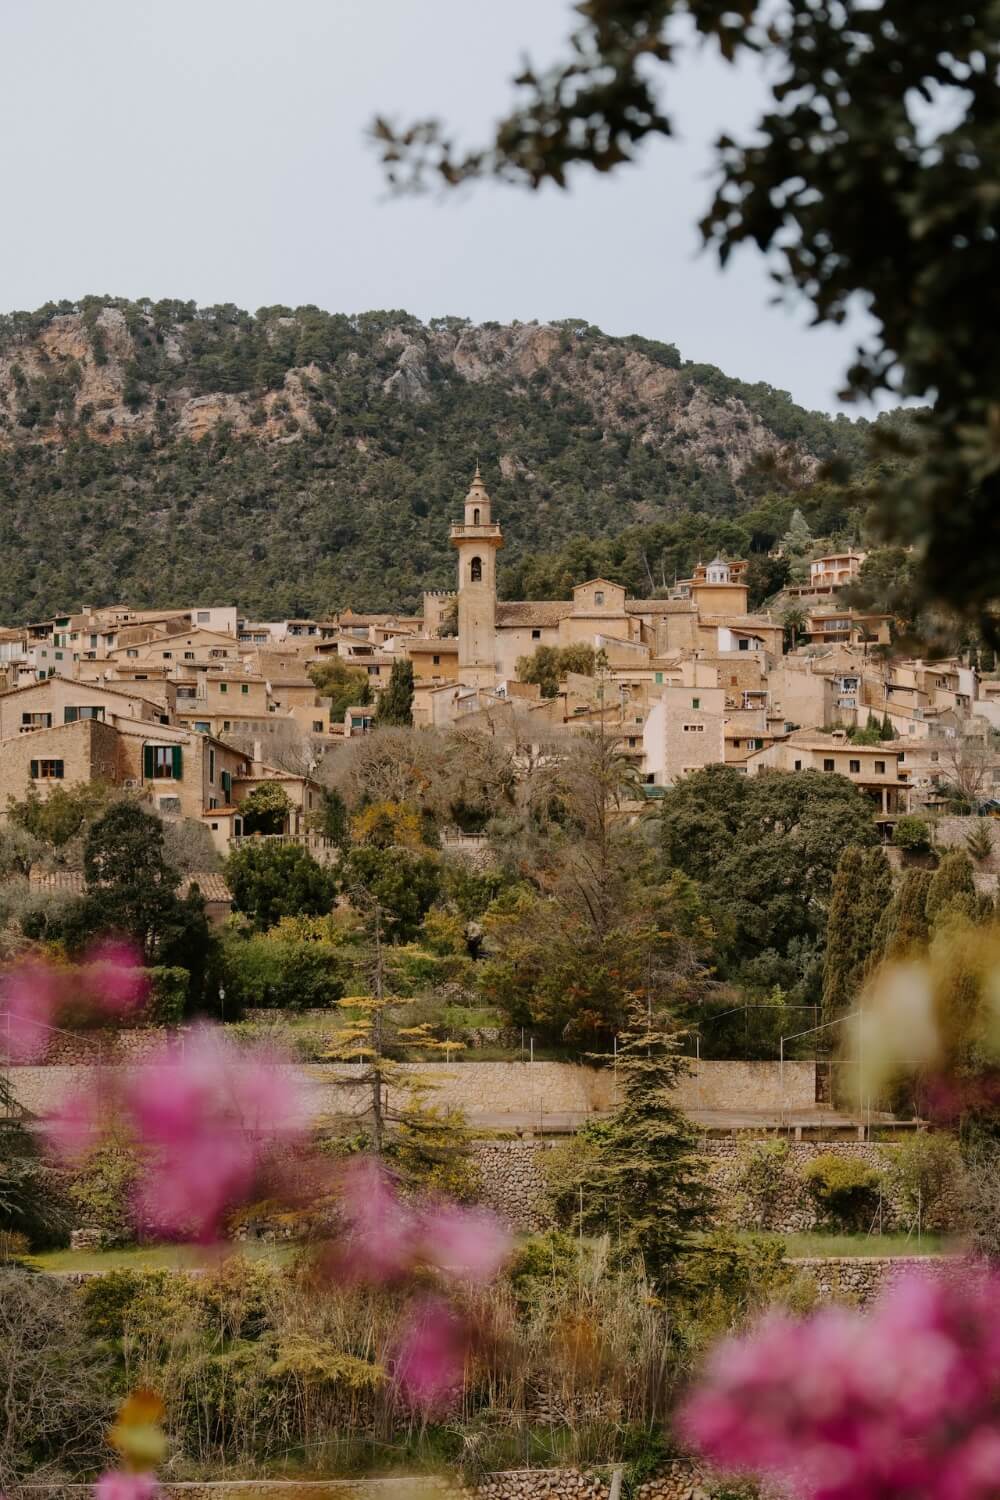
214 149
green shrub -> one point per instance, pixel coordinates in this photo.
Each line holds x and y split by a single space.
845 1188
762 1174
102 1189
281 974
168 995
922 1170
912 834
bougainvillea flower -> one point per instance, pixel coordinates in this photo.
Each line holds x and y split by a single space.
431 1355
115 1484
380 1235
78 1124
114 976
207 1114
467 1243
31 994
901 1402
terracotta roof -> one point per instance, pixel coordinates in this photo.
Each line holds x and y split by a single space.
659 607
212 886
538 612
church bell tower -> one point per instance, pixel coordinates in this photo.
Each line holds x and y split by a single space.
478 538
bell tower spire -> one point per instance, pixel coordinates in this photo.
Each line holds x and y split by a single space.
477 539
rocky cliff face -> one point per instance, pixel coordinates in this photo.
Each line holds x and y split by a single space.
299 459
113 372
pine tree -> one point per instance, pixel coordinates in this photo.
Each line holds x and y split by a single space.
396 703
904 928
888 733
979 840
952 890
648 1186
862 890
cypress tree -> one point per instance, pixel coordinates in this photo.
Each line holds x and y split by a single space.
396 703
904 923
649 1186
887 732
844 937
952 889
873 723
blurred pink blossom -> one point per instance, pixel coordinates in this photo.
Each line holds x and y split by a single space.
467 1243
208 1115
901 1403
116 1484
431 1356
381 1233
31 994
77 1126
116 978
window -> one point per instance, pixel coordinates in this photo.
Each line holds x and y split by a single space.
599 596
46 770
93 643
203 616
694 729
237 827
211 763
59 656
85 711
880 768
36 721
214 827
373 671
934 755
213 803
161 762
131 651
476 570
744 644
734 682
226 781
855 766
223 687
658 677
536 635
695 702
189 656
798 765
227 724
170 807
202 726
245 688
167 655
828 765
631 741
317 726
475 516
437 661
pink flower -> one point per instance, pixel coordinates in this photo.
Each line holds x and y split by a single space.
431 1356
116 1484
470 1244
380 1236
209 1116
902 1401
115 976
77 1127
30 996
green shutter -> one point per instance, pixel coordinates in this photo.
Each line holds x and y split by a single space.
227 784
59 769
177 762
147 762
34 770
70 715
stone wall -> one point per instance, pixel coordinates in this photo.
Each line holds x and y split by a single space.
861 1278
527 1093
680 1480
513 1186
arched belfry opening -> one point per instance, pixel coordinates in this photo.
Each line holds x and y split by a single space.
476 570
475 516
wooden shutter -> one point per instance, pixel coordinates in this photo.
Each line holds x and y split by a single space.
34 770
59 765
70 715
147 762
176 750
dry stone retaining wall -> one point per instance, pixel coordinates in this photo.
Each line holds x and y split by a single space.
679 1480
861 1278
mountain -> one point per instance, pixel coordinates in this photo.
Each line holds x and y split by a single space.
295 461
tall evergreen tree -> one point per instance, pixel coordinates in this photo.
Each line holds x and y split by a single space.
648 1184
903 928
888 733
952 890
862 890
396 703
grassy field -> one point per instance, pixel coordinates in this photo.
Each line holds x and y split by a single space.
147 1258
864 1244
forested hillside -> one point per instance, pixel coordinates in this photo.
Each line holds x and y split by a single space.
296 461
